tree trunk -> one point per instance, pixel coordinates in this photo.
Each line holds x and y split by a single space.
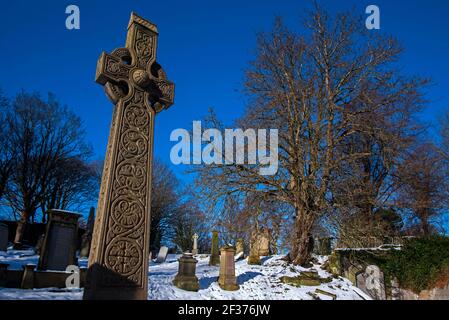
302 242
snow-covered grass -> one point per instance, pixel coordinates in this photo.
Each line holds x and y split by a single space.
257 282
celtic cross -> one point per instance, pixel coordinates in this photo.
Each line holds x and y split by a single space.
137 85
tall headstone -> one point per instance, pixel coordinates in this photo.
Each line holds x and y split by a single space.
3 237
263 239
186 278
162 255
227 279
137 85
214 254
195 244
87 236
59 246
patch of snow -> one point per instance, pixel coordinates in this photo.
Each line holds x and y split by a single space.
257 282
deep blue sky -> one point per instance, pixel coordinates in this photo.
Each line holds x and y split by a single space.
203 46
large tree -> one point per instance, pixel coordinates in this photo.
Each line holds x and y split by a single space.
46 137
424 187
318 89
6 147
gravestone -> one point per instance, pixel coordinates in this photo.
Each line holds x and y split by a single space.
239 246
3 237
162 255
195 244
264 242
227 279
60 240
214 254
322 246
87 236
254 257
186 278
372 282
240 250
137 85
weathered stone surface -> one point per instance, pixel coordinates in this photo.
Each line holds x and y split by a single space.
372 282
59 246
137 85
28 276
162 255
227 279
195 244
306 278
239 246
334 264
214 254
3 237
323 246
186 278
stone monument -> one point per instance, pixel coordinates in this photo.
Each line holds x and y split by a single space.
254 256
372 282
214 254
195 244
186 278
240 250
59 246
162 255
3 237
227 279
137 85
87 236
263 239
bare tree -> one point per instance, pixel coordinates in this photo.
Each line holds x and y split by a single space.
73 184
6 148
312 90
43 134
424 187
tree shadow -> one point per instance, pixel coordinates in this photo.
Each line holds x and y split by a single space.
244 277
206 282
263 259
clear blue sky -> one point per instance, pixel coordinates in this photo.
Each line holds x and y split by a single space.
203 46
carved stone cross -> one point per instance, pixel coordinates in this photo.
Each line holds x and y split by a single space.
137 85
195 243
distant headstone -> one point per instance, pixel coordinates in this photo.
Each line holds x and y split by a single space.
186 278
87 236
59 247
214 254
254 256
239 246
372 282
227 279
239 250
323 246
264 242
3 237
162 255
195 244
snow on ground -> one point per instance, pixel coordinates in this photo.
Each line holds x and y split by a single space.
256 282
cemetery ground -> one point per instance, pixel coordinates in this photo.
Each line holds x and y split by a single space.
257 282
